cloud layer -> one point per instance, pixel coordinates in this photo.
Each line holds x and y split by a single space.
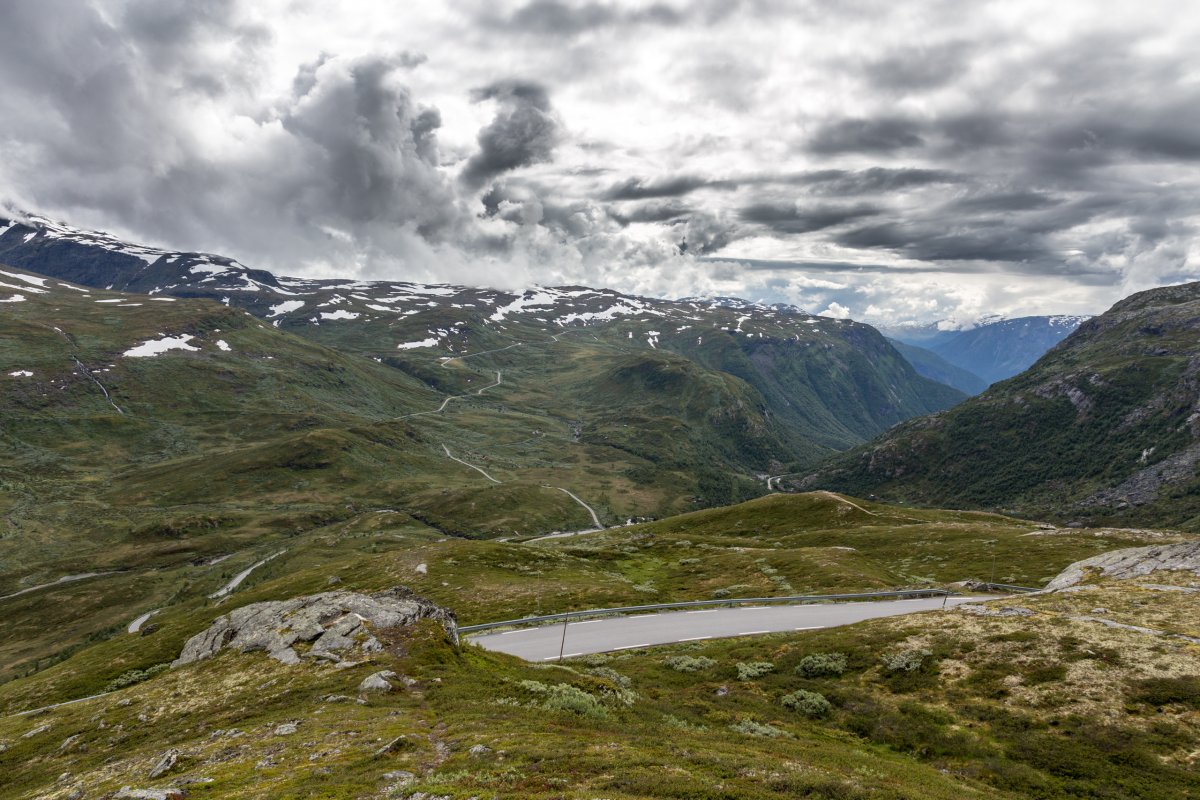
889 161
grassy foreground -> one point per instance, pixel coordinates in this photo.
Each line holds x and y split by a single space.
941 705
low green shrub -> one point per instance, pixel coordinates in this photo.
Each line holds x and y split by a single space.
610 674
565 697
748 671
810 704
751 728
133 676
1184 691
905 660
689 663
821 665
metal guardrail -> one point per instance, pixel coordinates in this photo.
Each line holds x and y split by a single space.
802 598
1007 587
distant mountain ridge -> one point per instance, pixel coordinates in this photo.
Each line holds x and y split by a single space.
825 384
994 349
932 366
1105 427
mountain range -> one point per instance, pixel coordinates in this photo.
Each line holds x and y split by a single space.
992 349
1102 428
188 445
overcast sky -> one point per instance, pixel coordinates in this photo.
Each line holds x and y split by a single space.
887 160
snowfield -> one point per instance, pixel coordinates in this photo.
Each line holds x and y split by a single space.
156 346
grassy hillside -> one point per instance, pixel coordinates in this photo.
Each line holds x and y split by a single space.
773 546
1043 703
1102 429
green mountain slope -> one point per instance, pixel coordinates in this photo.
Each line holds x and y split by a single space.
822 383
1102 428
930 365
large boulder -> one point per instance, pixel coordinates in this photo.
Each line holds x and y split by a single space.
334 622
1133 562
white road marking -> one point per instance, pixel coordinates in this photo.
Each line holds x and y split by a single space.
632 646
752 633
695 638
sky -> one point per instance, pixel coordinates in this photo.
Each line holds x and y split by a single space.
889 161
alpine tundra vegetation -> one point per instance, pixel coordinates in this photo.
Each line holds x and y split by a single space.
599 400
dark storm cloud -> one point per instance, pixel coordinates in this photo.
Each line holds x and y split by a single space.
560 19
673 186
1007 201
874 180
787 217
524 131
650 212
885 134
914 69
927 243
384 166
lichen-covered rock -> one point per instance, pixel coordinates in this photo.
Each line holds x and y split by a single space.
378 682
1133 562
165 763
333 622
129 793
988 611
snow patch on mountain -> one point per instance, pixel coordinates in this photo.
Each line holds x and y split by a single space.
340 314
20 276
286 307
431 342
154 347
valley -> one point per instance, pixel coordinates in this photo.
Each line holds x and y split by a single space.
174 457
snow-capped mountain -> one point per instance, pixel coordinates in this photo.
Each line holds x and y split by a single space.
995 347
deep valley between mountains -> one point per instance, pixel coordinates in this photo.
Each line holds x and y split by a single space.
245 517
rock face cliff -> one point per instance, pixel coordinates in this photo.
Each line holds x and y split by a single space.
1104 429
1133 562
335 624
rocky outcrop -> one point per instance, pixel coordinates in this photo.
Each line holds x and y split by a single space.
335 623
1134 562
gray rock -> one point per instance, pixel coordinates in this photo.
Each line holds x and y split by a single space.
36 731
275 626
394 746
398 779
128 793
480 750
166 762
378 682
1133 562
286 729
987 611
285 655
1160 587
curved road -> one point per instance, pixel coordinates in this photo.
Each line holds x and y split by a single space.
626 633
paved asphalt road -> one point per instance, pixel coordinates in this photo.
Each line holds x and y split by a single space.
625 633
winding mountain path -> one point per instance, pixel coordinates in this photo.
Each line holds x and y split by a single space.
64 579
499 379
241 576
480 470
590 510
446 402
